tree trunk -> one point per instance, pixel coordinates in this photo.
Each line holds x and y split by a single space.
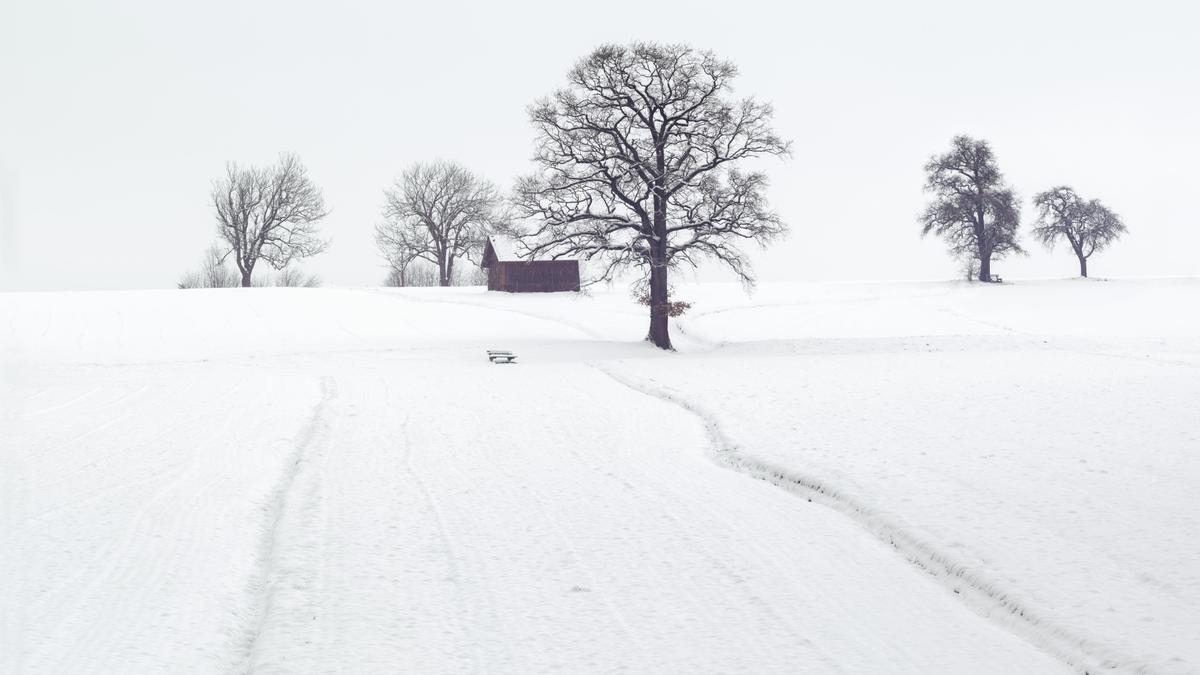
246 278
981 243
1083 267
659 289
443 269
659 332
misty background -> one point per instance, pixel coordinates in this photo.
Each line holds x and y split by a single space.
116 117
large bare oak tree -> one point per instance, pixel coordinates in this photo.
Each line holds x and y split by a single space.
1088 226
972 208
268 214
636 168
438 212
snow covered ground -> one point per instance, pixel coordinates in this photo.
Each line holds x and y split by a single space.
294 480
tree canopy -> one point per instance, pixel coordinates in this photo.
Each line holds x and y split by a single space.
1087 226
972 209
637 167
268 213
438 212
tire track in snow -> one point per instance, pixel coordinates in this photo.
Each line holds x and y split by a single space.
114 563
984 595
59 406
711 550
550 515
450 548
273 575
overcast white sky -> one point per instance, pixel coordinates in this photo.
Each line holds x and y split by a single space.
115 116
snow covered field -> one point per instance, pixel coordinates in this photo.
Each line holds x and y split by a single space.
294 480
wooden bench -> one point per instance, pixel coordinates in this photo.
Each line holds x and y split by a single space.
500 356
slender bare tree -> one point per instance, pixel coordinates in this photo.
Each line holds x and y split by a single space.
292 277
213 272
268 213
438 212
972 208
636 162
405 249
417 273
1088 226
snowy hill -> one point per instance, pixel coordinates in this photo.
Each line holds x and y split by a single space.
954 478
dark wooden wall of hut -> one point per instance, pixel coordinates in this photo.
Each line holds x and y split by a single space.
534 276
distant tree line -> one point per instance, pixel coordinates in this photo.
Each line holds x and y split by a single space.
215 273
639 166
978 214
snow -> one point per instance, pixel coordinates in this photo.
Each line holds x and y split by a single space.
505 248
1001 480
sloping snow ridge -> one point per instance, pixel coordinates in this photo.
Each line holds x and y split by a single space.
300 480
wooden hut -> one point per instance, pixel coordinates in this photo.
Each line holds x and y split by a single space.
507 272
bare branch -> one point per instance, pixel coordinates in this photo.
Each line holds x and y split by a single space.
972 208
438 212
268 214
1086 226
635 168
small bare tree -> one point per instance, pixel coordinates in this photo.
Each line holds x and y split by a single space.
417 274
401 247
292 277
636 169
1088 226
970 268
268 214
438 212
212 274
470 276
972 208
